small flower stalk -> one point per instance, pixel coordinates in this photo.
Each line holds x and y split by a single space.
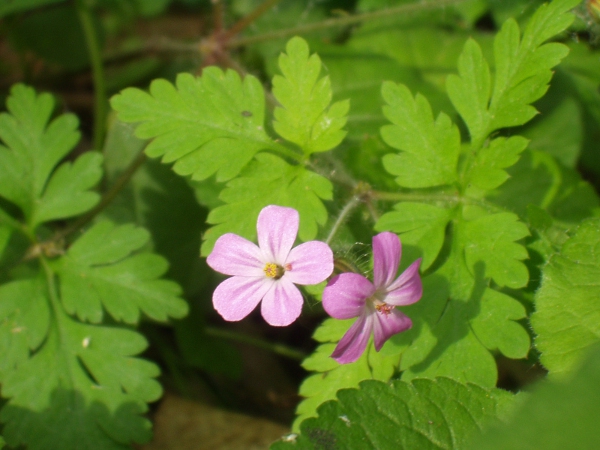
268 272
374 303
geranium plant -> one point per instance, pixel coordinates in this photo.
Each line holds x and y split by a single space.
411 184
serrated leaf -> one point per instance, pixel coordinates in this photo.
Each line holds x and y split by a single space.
419 224
69 385
207 125
32 146
332 376
269 180
429 147
98 271
567 316
486 171
422 414
555 416
305 116
491 239
67 194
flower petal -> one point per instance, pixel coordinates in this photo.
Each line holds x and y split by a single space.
277 228
354 342
407 288
387 325
344 296
236 297
282 304
387 251
310 263
234 255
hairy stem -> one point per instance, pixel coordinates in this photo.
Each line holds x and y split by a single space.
278 349
347 209
247 20
94 52
447 199
344 21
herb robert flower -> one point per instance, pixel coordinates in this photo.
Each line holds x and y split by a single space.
352 295
269 271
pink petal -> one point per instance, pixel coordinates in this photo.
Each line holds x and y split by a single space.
387 251
344 296
277 228
407 289
236 297
234 255
354 342
387 325
310 263
282 304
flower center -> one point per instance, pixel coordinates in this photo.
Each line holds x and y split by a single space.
384 308
275 271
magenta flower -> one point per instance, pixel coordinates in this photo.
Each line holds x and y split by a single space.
268 271
352 295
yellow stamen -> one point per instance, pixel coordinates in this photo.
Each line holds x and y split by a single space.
273 270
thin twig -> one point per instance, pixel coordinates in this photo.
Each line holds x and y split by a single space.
247 20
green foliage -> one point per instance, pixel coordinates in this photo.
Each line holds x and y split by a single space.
32 149
305 118
555 416
424 414
70 384
566 319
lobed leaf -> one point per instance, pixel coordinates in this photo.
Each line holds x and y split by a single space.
423 414
429 147
98 271
269 180
213 124
567 317
305 116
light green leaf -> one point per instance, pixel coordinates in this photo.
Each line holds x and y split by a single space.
306 117
554 417
67 194
69 385
213 124
99 271
32 146
418 224
269 180
491 239
567 317
422 414
429 148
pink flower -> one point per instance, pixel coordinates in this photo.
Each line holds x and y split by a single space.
352 295
268 271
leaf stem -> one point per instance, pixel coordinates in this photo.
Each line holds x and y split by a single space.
93 46
343 21
347 209
278 349
108 197
247 20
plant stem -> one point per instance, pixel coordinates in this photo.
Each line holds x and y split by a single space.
355 200
278 349
434 198
343 21
94 52
108 197
247 20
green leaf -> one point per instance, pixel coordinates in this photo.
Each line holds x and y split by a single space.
69 385
99 271
32 146
429 148
491 239
213 124
331 376
420 224
269 180
306 117
422 414
567 317
67 194
555 416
